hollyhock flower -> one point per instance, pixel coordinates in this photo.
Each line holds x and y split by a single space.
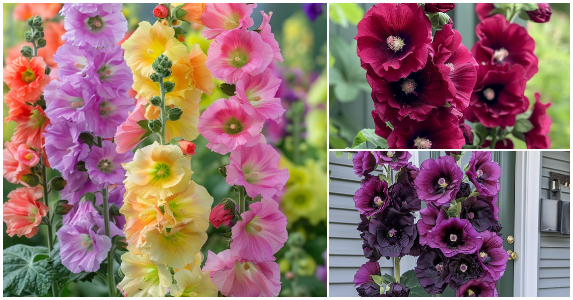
82 214
72 60
82 250
219 18
269 37
430 216
67 99
364 274
462 268
64 147
312 10
368 240
143 278
261 233
181 76
104 164
188 148
439 7
413 95
95 28
140 214
221 216
256 168
398 290
372 197
26 156
192 206
24 11
147 43
89 8
395 232
129 134
193 12
109 72
31 124
537 137
484 173
432 271
78 184
482 287
371 289
186 126
158 171
257 93
408 174
501 43
237 52
227 126
454 236
484 10
492 257
393 40
438 180
481 211
465 190
106 114
202 78
404 198
236 277
193 283
395 159
364 163
23 213
541 14
26 78
14 169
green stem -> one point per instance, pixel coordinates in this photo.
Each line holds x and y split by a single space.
397 269
242 205
162 108
494 138
110 277
45 196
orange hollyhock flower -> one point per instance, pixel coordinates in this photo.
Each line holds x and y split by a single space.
24 11
31 124
194 11
22 213
13 168
202 78
26 77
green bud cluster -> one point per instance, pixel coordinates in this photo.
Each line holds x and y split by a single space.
35 36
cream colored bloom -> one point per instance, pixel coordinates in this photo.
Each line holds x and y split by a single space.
143 278
193 283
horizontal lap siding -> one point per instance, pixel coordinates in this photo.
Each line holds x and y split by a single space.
554 248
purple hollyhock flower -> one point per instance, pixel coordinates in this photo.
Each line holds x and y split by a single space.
430 216
71 60
364 274
106 114
484 173
371 289
78 185
398 290
88 8
438 180
67 99
416 248
94 26
64 147
492 257
104 164
82 214
454 236
482 287
81 248
109 72
432 271
404 198
372 197
312 10
541 14
364 163
465 190
368 240
462 268
480 212
408 174
395 232
395 159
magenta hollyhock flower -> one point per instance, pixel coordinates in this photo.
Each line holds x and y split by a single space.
438 180
454 236
408 174
104 164
269 37
228 126
222 17
542 14
256 168
398 290
481 287
372 197
109 72
501 43
439 7
395 159
237 52
363 163
237 277
107 114
71 59
67 99
483 10
393 39
364 274
413 96
432 271
492 257
81 248
258 95
64 147
484 173
429 217
261 233
537 137
95 26
498 96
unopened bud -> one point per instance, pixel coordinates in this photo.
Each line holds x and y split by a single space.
155 125
155 101
31 180
174 114
169 86
187 147
57 183
161 11
27 51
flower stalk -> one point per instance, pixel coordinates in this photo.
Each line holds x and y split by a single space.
162 108
110 277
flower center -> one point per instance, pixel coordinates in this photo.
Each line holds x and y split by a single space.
252 177
161 170
471 215
29 156
257 228
451 66
77 103
479 173
483 254
149 51
442 182
79 66
395 43
439 267
238 58
28 76
232 126
500 54
232 23
470 293
246 266
95 23
408 86
489 94
146 278
105 166
104 72
422 143
105 109
453 237
390 154
257 98
392 232
463 268
378 200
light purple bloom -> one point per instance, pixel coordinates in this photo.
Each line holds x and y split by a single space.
364 274
438 180
78 185
67 99
109 72
64 147
81 248
71 60
492 256
454 236
364 163
395 159
484 173
104 164
89 8
82 214
106 114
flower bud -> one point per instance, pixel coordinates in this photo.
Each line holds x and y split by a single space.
542 14
62 207
439 7
154 77
41 43
155 101
187 147
31 180
221 216
27 51
174 114
37 21
155 125
223 170
161 11
169 86
58 183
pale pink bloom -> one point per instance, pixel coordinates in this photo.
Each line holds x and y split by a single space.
13 168
129 133
237 52
269 37
257 169
258 92
227 126
261 233
23 213
27 156
221 17
236 277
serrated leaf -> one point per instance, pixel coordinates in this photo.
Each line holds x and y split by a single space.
26 271
410 280
375 139
360 146
523 126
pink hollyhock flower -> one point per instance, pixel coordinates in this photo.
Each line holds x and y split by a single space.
227 126
393 39
257 93
237 277
129 133
221 17
268 36
238 52
256 168
27 156
220 216
14 169
261 233
22 213
537 137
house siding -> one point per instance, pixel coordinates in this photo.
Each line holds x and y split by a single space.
554 248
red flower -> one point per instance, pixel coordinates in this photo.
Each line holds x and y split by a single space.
537 137
220 216
160 11
542 14
498 96
439 7
393 39
483 10
501 42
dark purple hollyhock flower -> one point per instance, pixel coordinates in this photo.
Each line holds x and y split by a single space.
462 268
408 174
398 290
368 240
364 163
439 7
372 197
363 275
404 198
496 228
438 180
482 287
432 271
480 212
312 10
492 256
542 14
416 248
484 173
465 190
395 159
430 216
371 289
395 232
454 236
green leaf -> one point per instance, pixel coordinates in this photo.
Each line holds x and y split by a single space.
523 126
518 135
344 13
26 271
64 276
338 154
346 76
375 139
410 280
529 6
378 279
466 167
481 132
143 124
359 139
388 278
453 209
228 89
360 146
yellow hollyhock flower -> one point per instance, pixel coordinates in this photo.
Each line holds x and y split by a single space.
143 278
147 43
158 171
181 75
193 283
192 207
186 126
202 78
140 214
